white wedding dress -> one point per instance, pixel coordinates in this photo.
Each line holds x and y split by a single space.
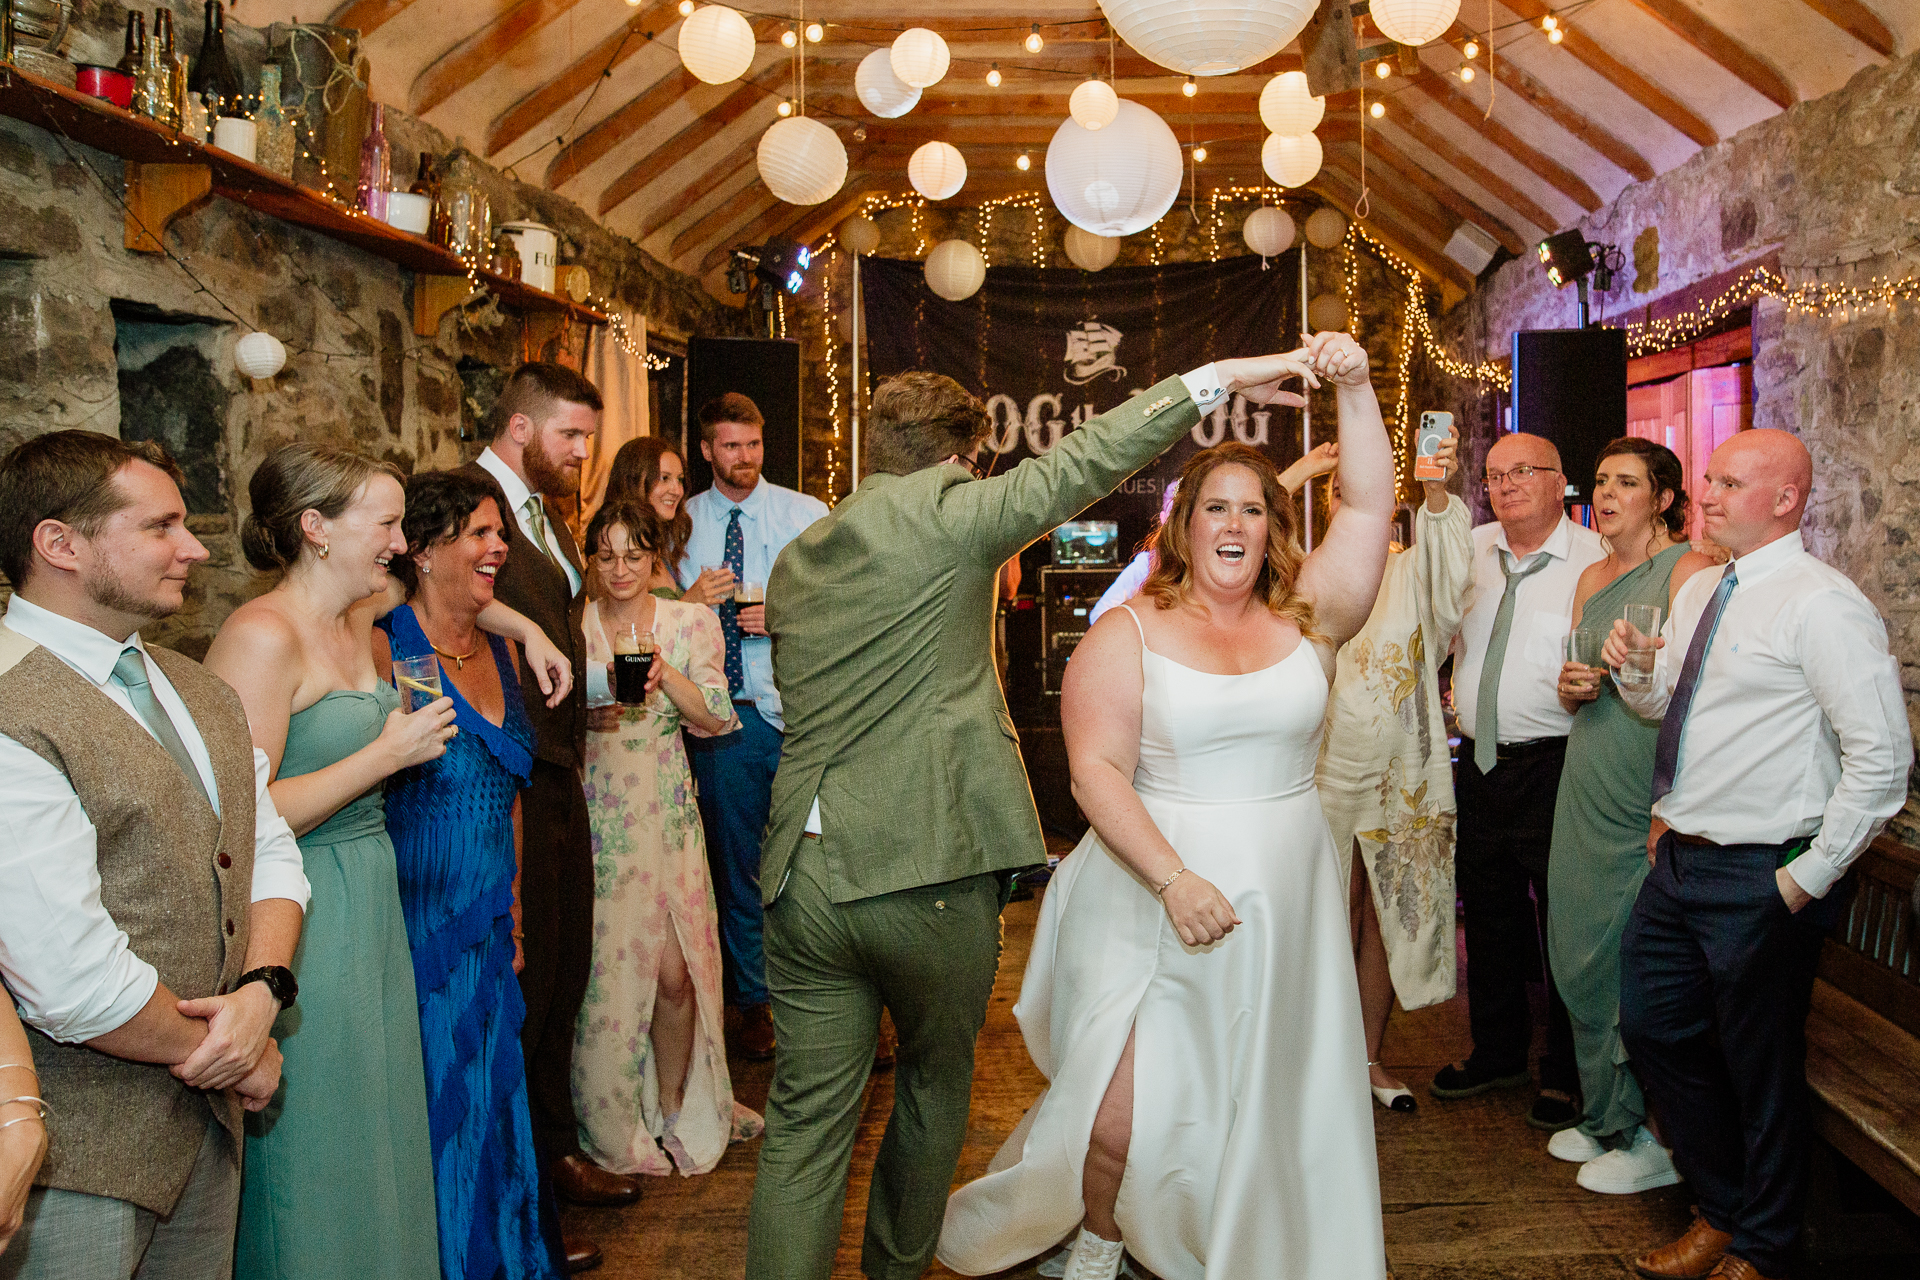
1252 1155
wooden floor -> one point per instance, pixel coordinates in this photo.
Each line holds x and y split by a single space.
1468 1189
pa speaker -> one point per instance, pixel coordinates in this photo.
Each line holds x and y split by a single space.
1570 386
767 372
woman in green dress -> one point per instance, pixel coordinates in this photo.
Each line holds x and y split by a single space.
1601 817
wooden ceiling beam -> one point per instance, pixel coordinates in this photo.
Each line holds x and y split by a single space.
704 128
743 206
1386 221
367 16
1623 77
1414 172
677 202
1502 190
1743 62
781 220
620 124
474 56
516 121
1557 175
1858 21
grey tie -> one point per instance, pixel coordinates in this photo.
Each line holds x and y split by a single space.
537 517
1486 715
130 673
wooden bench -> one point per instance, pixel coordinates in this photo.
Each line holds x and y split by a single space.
1863 1039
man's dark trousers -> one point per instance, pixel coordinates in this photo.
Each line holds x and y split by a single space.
735 776
556 914
1715 979
1504 833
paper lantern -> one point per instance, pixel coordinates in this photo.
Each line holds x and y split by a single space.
859 235
1090 252
955 270
1413 21
1326 228
1287 108
1327 313
881 91
1291 162
259 355
716 44
937 170
1093 105
1268 232
919 57
801 160
1211 39
1117 180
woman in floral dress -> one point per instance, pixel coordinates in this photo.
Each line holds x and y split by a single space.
650 1076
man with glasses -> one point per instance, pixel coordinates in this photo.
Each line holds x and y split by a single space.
1507 660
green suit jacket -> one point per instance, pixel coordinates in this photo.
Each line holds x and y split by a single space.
882 621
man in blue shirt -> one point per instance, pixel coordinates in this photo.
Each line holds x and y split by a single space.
739 528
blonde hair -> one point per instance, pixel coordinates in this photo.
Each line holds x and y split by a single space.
292 481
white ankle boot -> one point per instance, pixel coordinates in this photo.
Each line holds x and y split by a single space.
1093 1258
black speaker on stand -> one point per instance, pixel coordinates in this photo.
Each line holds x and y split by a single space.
766 371
1570 386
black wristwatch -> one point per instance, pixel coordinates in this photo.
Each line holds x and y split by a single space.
279 980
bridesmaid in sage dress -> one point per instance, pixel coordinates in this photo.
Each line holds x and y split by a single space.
1601 818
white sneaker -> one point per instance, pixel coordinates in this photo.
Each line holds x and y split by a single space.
1093 1258
1574 1146
1641 1165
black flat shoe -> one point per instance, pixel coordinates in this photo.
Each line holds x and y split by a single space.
1467 1079
1553 1111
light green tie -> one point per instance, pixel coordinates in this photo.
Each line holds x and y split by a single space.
537 517
1486 714
130 673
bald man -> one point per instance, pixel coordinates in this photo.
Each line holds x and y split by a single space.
1783 750
1507 660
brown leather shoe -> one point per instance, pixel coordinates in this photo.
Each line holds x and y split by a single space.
1736 1268
756 1033
581 1181
582 1255
1694 1256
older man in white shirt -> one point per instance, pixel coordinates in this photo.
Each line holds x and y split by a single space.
1507 660
1783 750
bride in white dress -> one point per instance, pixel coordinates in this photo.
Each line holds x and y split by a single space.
1191 994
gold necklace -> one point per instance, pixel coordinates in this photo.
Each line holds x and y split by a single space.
459 659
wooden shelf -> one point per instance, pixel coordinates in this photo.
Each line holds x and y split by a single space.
74 115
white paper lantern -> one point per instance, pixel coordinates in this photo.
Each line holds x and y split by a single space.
716 44
1291 162
1414 21
859 235
1117 180
1287 108
955 270
1090 252
259 355
1212 39
919 57
801 160
937 170
1326 228
1093 105
881 91
1327 313
1268 232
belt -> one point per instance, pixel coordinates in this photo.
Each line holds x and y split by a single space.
1695 842
1516 750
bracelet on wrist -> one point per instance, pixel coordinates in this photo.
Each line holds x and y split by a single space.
40 1104
1160 890
20 1066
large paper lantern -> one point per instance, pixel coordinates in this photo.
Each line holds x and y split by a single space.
859 235
1212 39
1326 228
1090 252
1287 108
1093 105
881 91
259 355
801 160
1291 162
716 44
955 270
1413 21
1327 313
1117 180
919 57
1268 231
937 170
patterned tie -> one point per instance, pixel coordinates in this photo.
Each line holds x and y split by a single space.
733 555
1666 756
537 517
130 673
1486 716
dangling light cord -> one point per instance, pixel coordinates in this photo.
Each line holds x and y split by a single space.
1493 81
1363 206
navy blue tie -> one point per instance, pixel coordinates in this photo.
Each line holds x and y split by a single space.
733 555
1666 756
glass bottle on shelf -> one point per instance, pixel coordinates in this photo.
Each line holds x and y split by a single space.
463 215
156 97
274 136
214 76
376 168
136 44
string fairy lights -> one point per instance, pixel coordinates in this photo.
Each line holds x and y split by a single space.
880 202
1037 234
1815 298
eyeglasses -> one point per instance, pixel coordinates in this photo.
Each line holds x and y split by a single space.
632 559
1519 475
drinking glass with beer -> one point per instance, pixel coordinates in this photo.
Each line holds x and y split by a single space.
633 652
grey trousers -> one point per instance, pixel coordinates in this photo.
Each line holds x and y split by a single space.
68 1235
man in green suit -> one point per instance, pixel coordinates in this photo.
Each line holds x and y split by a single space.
901 794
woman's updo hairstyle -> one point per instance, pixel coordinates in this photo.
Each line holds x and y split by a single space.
293 481
1664 473
439 503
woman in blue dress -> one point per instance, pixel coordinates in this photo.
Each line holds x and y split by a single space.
455 826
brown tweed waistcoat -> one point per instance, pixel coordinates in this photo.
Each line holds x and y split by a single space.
174 876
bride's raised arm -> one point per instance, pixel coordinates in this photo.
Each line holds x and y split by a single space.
1342 576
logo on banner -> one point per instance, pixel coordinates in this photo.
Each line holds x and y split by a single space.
1091 352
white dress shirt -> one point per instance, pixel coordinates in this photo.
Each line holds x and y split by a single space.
1536 645
1797 727
517 494
69 966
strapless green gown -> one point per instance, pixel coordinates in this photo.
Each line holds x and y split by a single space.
338 1177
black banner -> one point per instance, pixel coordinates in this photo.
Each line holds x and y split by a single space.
1049 348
